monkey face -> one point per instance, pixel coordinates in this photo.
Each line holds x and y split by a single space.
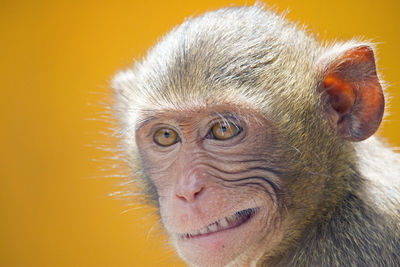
217 185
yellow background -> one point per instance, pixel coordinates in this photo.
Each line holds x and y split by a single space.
57 58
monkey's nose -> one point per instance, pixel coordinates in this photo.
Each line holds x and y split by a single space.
190 191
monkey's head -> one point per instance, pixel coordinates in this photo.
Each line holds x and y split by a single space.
224 117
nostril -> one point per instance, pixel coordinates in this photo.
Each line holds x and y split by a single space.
198 192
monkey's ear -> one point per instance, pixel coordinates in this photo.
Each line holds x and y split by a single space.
352 95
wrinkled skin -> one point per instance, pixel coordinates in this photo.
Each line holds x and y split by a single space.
201 180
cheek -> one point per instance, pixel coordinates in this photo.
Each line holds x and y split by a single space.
159 168
163 183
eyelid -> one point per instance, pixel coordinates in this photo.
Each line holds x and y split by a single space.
223 119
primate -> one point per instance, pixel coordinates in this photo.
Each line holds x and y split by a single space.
256 144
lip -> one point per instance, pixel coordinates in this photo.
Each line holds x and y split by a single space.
235 220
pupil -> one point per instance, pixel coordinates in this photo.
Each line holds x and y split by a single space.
166 134
223 128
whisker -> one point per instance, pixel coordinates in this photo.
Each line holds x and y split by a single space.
151 230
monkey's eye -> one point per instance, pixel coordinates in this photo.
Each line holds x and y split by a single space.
224 131
166 137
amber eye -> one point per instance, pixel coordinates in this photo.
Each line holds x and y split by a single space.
165 137
223 131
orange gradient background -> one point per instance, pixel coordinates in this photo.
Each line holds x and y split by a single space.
57 58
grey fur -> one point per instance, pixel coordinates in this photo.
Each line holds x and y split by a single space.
253 57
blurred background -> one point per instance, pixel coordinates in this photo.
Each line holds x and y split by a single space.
57 58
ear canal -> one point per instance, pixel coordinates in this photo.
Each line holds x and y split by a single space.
342 94
355 101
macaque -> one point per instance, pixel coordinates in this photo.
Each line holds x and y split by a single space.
255 142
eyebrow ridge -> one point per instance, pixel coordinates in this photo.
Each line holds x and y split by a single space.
143 122
223 115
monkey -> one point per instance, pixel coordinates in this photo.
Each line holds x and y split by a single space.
257 145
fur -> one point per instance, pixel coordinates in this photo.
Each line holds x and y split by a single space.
344 206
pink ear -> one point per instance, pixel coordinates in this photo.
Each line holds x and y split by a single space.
355 101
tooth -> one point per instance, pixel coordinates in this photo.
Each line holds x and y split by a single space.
224 223
232 218
213 227
204 231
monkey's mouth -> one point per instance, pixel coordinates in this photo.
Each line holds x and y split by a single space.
225 223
